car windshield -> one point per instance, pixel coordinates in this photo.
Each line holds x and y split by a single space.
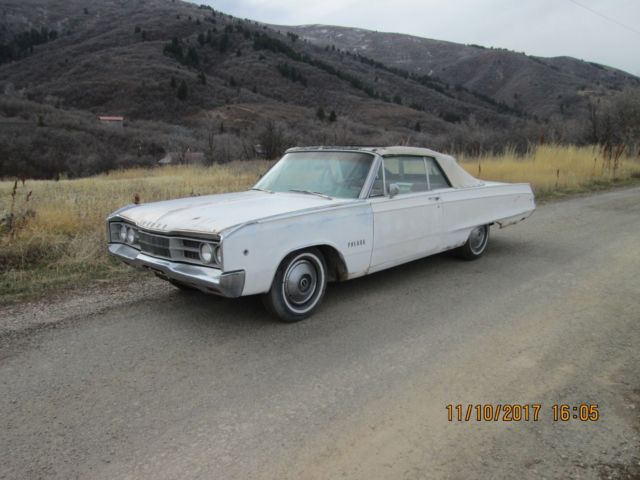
332 174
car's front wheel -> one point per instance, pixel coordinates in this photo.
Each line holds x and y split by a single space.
298 286
476 243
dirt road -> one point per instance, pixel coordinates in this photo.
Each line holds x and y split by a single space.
167 385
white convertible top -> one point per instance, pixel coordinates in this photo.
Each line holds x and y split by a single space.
458 176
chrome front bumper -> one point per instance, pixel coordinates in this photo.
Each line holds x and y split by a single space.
207 279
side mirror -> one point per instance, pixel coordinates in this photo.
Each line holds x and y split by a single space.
394 190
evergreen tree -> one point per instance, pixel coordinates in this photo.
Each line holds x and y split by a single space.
192 57
224 43
173 82
202 77
332 116
182 91
320 114
174 49
417 127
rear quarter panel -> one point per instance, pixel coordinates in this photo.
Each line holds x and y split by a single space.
466 208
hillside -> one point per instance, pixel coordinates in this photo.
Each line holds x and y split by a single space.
189 78
540 86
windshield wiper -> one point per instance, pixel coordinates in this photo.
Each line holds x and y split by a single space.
261 190
309 192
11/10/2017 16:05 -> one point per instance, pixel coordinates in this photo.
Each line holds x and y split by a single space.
494 412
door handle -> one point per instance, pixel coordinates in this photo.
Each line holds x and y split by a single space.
434 198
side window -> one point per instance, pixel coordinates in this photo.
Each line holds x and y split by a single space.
408 173
436 177
377 189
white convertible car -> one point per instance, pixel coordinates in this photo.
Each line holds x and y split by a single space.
319 214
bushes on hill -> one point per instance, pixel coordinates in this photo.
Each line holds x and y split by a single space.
174 49
68 143
292 73
262 41
23 43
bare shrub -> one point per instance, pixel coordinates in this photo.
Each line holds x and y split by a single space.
19 214
615 120
273 140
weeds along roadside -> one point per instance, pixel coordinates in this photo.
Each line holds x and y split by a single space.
54 236
52 232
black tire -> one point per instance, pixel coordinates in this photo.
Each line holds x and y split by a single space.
476 244
298 286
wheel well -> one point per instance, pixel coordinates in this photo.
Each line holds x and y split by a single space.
336 268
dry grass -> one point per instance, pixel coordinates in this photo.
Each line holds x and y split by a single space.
554 170
65 242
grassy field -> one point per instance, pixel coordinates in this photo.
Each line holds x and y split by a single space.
58 239
62 243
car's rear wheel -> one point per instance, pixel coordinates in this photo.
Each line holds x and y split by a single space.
298 286
476 243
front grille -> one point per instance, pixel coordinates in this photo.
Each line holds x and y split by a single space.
174 248
190 243
192 255
155 244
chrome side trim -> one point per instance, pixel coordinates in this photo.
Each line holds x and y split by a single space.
207 279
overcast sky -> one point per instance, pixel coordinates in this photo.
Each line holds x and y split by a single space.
603 31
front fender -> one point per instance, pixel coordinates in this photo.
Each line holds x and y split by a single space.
259 248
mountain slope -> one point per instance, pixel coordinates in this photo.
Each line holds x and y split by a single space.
541 86
99 63
191 78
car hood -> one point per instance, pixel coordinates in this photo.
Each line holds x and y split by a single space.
216 213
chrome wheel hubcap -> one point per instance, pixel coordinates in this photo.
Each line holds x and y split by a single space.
478 239
300 281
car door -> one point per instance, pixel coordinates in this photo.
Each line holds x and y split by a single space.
456 206
408 225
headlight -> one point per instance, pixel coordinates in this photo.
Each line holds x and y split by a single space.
123 233
206 252
217 254
131 236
